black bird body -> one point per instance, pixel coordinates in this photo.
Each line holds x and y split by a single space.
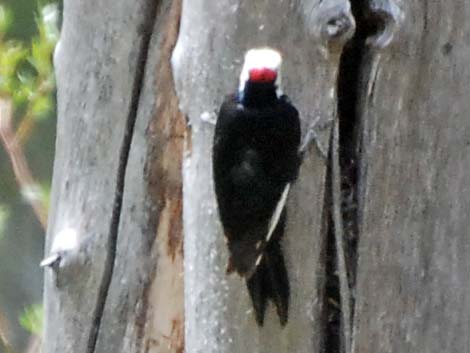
255 159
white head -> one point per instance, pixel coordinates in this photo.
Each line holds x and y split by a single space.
261 65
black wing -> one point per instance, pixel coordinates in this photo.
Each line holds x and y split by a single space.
254 160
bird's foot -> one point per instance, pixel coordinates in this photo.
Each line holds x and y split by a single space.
312 137
209 117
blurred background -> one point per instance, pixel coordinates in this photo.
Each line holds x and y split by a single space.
28 32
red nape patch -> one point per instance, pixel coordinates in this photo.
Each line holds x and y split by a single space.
262 75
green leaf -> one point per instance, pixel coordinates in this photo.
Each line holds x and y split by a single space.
41 106
6 19
31 319
4 214
45 193
12 56
48 23
25 90
41 57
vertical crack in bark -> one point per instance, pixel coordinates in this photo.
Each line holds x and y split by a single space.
344 160
332 298
146 33
165 134
339 242
337 291
348 94
342 233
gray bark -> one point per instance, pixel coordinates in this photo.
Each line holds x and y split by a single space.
120 182
413 269
207 61
116 182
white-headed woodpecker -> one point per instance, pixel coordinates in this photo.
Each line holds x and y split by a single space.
255 160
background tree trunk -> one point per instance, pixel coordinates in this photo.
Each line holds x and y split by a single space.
117 182
375 244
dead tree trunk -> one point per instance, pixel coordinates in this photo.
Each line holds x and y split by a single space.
117 182
375 243
207 63
413 292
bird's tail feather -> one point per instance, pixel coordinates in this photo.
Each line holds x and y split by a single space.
257 288
270 281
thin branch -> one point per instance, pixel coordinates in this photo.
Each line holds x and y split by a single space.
34 345
28 186
28 122
26 127
4 333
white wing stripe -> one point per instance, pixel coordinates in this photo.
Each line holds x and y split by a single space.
275 218
277 212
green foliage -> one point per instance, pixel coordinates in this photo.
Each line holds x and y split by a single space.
4 213
31 319
12 55
26 84
45 194
5 20
26 72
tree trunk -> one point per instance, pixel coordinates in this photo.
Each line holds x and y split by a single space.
375 242
207 62
413 292
117 182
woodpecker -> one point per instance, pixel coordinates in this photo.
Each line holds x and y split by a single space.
255 159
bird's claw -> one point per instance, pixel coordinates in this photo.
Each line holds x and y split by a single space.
312 136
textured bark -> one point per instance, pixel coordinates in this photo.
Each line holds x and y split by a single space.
131 147
117 182
147 283
413 271
207 61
